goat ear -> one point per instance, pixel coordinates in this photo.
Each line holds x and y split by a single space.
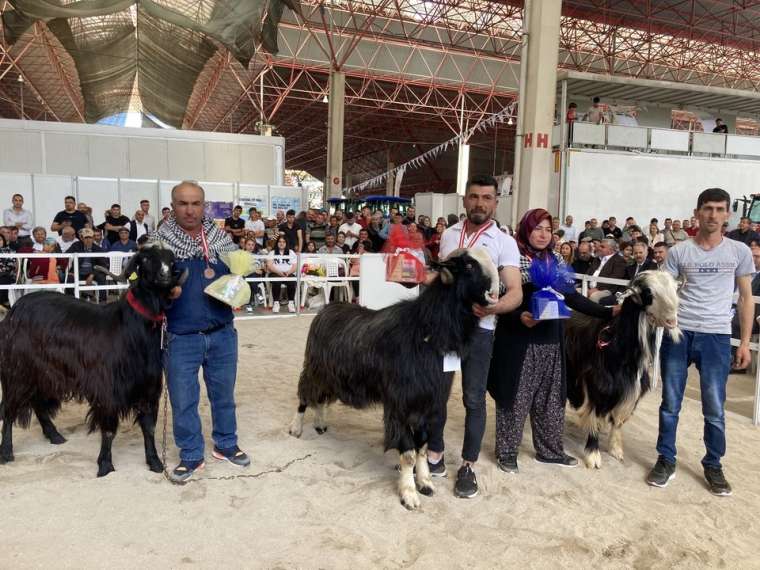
447 278
646 296
132 266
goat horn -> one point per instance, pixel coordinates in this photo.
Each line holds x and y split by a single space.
105 271
183 277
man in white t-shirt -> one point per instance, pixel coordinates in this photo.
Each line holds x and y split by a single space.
571 234
477 229
713 267
255 225
351 228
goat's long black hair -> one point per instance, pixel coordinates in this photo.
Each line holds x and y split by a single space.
394 356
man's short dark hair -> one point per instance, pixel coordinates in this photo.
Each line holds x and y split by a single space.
572 106
661 244
116 206
166 209
69 198
251 210
754 243
714 195
144 201
718 119
19 195
238 207
745 218
654 221
290 213
483 180
596 99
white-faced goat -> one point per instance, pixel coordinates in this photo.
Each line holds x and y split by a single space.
612 364
55 348
394 357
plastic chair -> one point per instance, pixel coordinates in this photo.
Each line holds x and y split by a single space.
308 280
332 267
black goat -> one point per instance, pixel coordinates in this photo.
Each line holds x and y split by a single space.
55 348
394 357
610 364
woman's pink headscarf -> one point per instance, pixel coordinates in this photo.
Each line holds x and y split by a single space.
528 223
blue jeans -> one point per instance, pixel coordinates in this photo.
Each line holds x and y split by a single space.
217 354
711 353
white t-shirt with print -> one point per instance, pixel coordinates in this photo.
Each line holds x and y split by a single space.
501 247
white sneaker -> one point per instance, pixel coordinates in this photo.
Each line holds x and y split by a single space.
276 307
291 307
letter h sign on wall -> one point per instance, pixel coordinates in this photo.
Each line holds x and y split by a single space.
542 140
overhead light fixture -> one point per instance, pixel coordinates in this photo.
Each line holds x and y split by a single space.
20 78
325 99
509 122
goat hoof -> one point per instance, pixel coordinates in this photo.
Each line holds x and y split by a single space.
320 430
295 431
156 466
617 453
427 490
6 458
105 468
410 500
56 439
593 460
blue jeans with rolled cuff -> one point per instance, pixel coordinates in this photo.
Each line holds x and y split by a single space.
711 354
216 352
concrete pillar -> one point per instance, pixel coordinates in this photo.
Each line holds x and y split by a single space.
390 182
463 168
335 114
537 100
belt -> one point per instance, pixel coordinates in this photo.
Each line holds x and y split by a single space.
213 329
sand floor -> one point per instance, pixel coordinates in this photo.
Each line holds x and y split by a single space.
334 504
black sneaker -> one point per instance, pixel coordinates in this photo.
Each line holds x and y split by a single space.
507 463
563 461
234 455
466 486
437 469
185 470
662 473
717 482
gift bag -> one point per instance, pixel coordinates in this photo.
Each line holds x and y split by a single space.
549 277
404 266
233 289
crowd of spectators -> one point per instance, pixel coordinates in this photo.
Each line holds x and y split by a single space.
605 249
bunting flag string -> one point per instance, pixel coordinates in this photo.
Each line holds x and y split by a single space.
499 117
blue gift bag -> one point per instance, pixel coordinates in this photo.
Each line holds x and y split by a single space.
549 278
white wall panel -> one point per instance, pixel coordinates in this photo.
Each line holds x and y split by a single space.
649 186
667 139
222 161
49 192
132 191
709 143
747 146
67 154
98 193
629 137
148 158
588 133
165 193
258 163
11 184
286 197
109 156
186 160
21 152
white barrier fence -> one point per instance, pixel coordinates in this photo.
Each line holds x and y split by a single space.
753 346
334 272
337 274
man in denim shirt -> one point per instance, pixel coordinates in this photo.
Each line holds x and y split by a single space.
200 334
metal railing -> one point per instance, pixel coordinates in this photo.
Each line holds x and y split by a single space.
657 140
753 346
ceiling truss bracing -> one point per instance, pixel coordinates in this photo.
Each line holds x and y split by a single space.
417 71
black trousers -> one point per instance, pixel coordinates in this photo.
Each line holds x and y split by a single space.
5 279
277 287
474 384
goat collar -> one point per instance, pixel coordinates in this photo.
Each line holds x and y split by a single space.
141 310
